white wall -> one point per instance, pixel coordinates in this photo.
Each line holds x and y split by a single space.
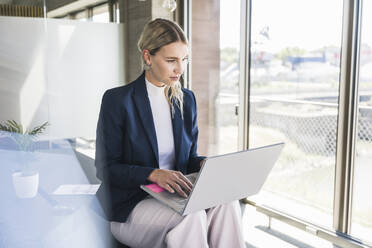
56 71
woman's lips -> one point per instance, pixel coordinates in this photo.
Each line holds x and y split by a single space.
174 78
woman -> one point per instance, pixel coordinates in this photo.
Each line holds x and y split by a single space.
147 133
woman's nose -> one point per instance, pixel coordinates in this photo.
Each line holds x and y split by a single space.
179 68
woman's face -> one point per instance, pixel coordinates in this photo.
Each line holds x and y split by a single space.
168 63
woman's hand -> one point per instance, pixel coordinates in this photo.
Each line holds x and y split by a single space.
171 181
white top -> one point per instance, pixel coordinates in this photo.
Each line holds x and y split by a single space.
161 114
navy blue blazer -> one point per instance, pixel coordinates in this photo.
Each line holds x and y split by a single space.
127 149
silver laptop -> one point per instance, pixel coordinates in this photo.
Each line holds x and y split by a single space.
222 179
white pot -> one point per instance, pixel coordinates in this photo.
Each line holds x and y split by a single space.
26 184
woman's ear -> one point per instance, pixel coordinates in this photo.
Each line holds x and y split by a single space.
146 56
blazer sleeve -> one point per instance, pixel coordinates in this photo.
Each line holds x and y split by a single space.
109 147
194 159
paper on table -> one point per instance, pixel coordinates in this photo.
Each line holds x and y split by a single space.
76 189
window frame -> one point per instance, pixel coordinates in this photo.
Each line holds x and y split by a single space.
346 124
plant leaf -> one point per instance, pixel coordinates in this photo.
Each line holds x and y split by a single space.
39 129
15 127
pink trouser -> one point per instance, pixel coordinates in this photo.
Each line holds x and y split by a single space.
153 225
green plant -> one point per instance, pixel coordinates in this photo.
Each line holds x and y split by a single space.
23 138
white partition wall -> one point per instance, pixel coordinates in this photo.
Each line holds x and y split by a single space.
54 70
22 46
57 71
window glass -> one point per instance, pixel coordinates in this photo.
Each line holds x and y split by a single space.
78 10
362 201
294 84
53 71
101 14
215 73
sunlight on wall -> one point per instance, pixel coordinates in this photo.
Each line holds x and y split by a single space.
33 90
64 33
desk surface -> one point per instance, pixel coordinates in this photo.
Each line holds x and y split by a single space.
49 220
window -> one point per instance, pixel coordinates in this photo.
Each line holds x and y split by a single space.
101 14
293 99
215 74
362 202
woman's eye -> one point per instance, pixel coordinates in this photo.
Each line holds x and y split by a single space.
171 61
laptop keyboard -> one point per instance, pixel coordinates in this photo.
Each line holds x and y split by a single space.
180 201
192 177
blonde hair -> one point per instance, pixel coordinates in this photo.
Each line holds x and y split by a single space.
155 35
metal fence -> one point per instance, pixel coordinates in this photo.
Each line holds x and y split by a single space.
311 125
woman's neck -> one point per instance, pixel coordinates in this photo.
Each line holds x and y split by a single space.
152 80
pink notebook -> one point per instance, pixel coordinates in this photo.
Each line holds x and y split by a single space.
154 188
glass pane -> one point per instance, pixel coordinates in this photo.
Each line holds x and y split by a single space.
81 16
294 93
264 233
78 10
215 73
362 202
101 14
53 71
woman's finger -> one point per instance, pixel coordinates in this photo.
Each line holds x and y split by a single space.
168 188
176 187
185 179
182 181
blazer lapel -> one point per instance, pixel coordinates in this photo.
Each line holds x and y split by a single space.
177 124
142 103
